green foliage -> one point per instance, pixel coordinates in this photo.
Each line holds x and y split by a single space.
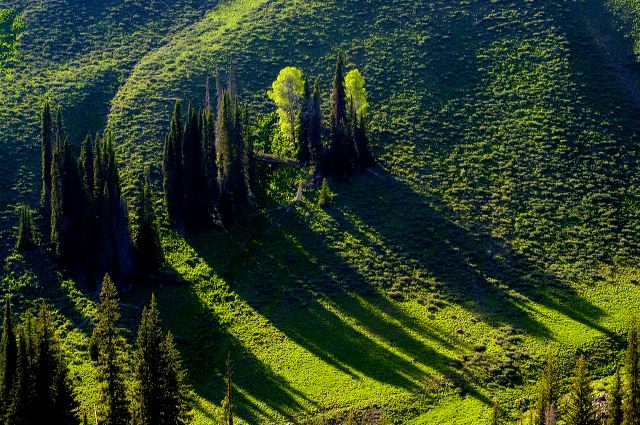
160 395
287 92
26 237
631 404
548 390
111 364
355 92
580 410
615 413
325 198
11 28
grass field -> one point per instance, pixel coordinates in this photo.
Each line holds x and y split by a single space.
503 222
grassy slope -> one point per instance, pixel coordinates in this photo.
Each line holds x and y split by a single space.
505 222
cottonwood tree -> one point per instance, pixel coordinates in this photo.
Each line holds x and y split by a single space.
288 91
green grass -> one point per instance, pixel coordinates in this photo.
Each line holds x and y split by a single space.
503 223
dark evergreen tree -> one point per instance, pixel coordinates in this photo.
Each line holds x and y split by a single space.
51 390
111 365
147 240
46 125
209 160
248 157
548 390
580 409
19 409
224 141
364 159
339 159
615 414
59 182
172 167
631 403
8 359
228 408
160 394
26 239
315 126
195 208
303 150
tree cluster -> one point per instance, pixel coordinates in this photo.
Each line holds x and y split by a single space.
578 407
300 112
34 386
82 207
34 383
208 165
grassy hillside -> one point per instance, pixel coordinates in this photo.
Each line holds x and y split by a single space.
504 220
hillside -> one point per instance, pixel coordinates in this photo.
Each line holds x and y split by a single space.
503 221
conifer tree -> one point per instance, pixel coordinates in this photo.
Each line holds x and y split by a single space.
172 167
26 239
631 403
59 181
19 408
550 415
46 128
339 158
147 240
194 192
304 151
364 159
8 359
580 407
315 126
548 390
51 391
160 394
209 159
227 406
107 339
224 134
614 407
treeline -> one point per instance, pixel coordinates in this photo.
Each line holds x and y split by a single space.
301 120
35 387
83 211
620 406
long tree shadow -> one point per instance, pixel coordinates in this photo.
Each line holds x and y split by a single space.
473 266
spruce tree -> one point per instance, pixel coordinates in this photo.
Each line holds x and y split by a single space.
58 167
224 141
172 167
26 239
364 159
548 390
631 403
147 239
209 160
315 127
8 359
580 407
111 366
19 410
227 406
195 207
51 390
159 394
303 150
615 414
46 128
339 158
